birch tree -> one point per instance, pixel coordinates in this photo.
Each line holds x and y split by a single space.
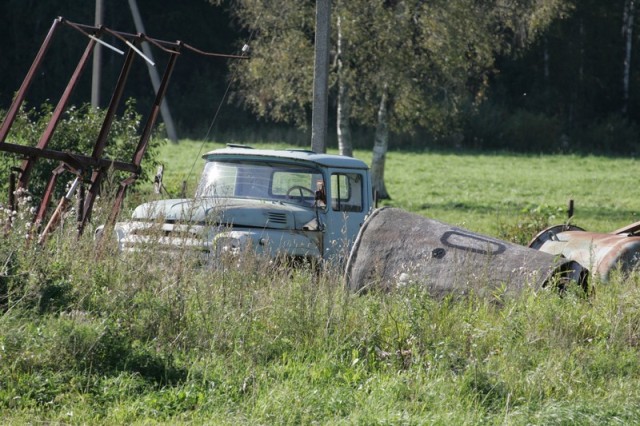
627 33
399 64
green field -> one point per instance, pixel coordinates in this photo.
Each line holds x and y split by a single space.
88 336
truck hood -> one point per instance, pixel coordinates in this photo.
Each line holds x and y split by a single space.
234 212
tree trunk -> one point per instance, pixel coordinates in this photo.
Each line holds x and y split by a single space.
545 44
627 32
380 146
344 104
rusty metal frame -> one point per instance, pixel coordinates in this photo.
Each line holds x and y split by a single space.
144 138
19 98
99 172
95 164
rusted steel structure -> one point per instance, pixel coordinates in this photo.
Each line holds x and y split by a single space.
89 169
601 253
396 248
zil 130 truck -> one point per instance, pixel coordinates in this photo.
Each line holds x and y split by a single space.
293 203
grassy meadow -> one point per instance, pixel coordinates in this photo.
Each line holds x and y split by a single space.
88 336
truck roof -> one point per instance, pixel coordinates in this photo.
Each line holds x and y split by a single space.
327 160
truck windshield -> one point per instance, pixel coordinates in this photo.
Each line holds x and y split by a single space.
260 180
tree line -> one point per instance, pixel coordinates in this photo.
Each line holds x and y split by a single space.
519 75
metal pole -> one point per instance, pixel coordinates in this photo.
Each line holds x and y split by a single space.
320 77
153 73
27 164
97 60
98 149
19 98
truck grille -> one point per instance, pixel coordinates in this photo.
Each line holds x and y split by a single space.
276 217
173 233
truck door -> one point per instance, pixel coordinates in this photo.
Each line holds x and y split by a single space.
346 211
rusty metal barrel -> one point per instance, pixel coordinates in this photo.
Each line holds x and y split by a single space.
395 248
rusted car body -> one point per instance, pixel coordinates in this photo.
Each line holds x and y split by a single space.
603 254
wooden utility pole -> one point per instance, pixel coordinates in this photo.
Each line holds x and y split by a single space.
320 77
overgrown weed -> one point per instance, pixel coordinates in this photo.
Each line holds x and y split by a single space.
95 336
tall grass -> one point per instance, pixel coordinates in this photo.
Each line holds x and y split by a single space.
89 336
108 339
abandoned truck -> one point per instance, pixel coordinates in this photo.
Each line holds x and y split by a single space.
295 203
304 205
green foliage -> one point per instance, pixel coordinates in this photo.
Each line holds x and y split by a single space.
570 72
77 133
530 222
429 58
611 135
494 128
277 81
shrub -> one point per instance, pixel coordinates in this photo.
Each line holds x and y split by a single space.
612 135
483 127
529 222
76 132
493 127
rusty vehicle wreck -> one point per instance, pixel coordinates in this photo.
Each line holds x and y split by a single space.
603 254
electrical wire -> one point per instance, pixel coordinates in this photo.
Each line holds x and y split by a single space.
124 37
224 96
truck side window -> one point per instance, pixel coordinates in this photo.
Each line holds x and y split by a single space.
346 192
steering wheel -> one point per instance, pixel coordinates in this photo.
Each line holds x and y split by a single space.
301 189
